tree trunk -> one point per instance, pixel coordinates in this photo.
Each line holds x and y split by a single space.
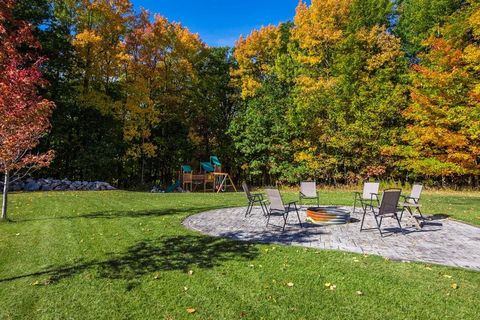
5 196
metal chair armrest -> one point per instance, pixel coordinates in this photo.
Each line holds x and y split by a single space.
415 200
294 203
376 195
256 197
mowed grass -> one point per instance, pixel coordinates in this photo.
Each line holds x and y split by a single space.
125 255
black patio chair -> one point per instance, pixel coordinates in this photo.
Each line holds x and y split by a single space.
278 208
253 199
388 208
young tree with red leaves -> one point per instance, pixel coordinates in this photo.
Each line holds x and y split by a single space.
24 114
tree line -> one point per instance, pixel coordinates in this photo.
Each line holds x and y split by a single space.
354 89
348 90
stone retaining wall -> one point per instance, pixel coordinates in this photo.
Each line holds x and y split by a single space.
58 185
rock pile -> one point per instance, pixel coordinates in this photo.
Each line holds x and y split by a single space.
59 185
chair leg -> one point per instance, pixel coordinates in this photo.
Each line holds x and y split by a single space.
354 204
421 215
298 215
299 221
398 220
285 218
378 225
363 218
263 206
249 208
264 209
268 217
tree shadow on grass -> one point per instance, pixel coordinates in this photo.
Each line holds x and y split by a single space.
148 256
116 214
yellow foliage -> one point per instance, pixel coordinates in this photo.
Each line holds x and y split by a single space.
471 55
256 56
474 22
386 45
319 26
86 37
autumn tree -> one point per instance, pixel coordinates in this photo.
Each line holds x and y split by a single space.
348 85
24 114
159 79
442 137
260 131
255 55
101 26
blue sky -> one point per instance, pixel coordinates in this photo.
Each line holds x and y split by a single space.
221 22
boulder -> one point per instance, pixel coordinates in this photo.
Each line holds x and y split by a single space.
16 186
46 187
32 186
59 185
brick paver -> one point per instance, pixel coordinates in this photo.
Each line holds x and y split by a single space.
441 241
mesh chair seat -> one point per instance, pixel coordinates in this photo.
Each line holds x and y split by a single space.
308 190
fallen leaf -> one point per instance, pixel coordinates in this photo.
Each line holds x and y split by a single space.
156 276
454 286
328 284
185 288
428 268
290 284
190 272
333 287
191 310
447 276
17 234
360 293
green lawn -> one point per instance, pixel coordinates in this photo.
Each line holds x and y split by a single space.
125 255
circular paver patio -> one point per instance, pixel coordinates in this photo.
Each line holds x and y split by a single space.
440 241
